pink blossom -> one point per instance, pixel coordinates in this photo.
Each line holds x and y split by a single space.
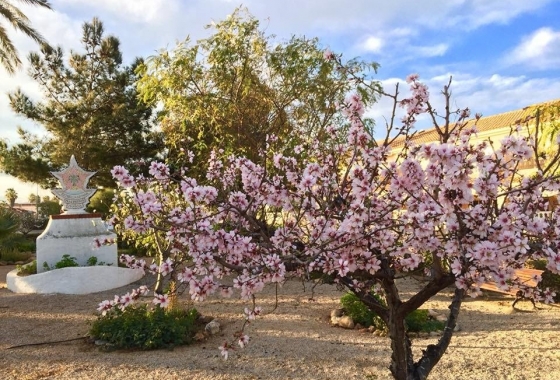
243 340
161 300
224 350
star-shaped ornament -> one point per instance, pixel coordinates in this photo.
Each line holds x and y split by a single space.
74 193
73 177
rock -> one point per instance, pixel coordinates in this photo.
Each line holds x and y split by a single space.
359 327
343 321
337 313
101 342
432 313
457 328
19 262
371 329
213 327
437 316
346 322
362 330
435 333
2 263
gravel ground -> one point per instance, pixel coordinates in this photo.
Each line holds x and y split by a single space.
294 342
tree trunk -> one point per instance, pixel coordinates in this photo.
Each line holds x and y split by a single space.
402 366
433 353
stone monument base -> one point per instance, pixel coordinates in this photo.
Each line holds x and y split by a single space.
73 280
75 235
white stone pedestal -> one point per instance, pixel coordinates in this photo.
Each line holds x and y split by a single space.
73 280
74 235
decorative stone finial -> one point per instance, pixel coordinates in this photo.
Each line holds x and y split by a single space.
74 193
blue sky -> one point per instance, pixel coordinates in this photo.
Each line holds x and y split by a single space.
502 54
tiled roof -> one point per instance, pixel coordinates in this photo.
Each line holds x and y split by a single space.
486 123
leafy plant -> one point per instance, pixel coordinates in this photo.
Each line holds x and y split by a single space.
360 313
26 269
139 327
69 261
92 261
66 261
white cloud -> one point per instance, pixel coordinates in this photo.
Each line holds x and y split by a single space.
430 51
372 44
484 12
487 95
540 50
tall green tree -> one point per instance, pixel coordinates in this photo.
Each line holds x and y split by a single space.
232 89
11 196
13 15
91 110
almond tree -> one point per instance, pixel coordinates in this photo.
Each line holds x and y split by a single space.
358 212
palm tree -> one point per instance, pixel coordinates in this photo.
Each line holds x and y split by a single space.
11 197
8 53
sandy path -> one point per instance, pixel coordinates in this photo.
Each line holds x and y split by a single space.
294 342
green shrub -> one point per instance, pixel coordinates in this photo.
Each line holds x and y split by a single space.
12 255
360 313
138 327
31 268
26 245
418 320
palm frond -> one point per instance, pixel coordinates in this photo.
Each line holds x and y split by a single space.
19 21
8 53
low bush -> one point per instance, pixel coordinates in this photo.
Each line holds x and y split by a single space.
139 327
421 321
417 321
360 313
